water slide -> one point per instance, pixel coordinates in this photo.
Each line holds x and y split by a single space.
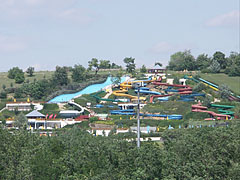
232 97
200 108
129 84
122 93
147 92
79 106
183 89
224 109
104 99
88 90
132 112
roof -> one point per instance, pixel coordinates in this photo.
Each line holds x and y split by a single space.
69 112
35 113
144 128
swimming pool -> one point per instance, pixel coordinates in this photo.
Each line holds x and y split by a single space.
88 90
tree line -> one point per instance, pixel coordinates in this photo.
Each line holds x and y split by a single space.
217 63
196 153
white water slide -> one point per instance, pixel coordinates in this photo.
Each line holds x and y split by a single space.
71 102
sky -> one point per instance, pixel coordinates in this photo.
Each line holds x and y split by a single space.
47 33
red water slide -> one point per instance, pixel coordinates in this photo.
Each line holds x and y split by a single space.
183 90
200 108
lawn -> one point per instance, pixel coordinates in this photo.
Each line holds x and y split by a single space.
232 82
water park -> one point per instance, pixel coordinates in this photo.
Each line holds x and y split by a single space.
164 104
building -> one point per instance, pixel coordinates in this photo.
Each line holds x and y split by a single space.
18 106
156 71
145 130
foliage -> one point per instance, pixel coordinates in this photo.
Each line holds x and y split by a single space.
16 74
224 91
143 69
30 71
60 76
93 64
116 79
104 64
199 87
78 73
181 61
220 58
3 95
233 64
13 72
130 64
215 66
21 121
203 61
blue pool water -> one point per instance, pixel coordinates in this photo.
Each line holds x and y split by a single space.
88 90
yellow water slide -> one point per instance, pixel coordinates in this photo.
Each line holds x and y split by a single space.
122 93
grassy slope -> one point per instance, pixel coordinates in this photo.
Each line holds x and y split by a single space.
37 75
232 82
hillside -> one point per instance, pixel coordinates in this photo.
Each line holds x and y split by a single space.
4 80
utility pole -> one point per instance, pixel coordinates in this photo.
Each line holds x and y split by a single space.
138 120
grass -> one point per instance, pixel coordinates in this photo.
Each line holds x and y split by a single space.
4 80
232 82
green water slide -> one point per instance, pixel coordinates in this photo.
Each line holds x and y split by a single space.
103 99
223 109
191 78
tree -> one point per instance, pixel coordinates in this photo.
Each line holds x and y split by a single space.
143 69
60 76
4 87
224 91
93 64
202 61
220 58
130 64
233 64
104 64
199 87
17 74
30 71
116 79
21 121
115 66
19 78
215 67
181 61
78 73
3 95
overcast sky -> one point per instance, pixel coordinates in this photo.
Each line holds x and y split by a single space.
46 33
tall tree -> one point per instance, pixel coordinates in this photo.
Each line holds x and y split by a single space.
215 67
202 62
17 74
93 64
30 71
60 76
21 121
181 61
130 64
143 69
104 64
220 58
78 73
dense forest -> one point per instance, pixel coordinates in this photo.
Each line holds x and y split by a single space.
197 153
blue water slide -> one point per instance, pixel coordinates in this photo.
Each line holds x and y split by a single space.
144 88
203 80
163 98
148 92
88 90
